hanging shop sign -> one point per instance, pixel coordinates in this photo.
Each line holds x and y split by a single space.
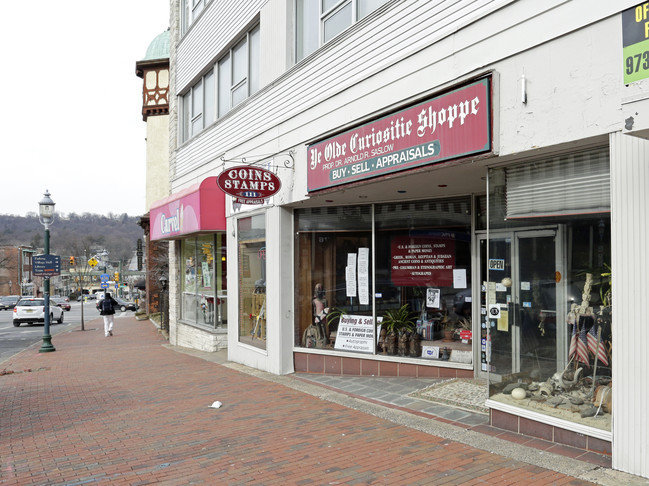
635 42
453 125
422 261
248 184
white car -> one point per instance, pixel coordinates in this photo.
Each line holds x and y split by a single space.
30 310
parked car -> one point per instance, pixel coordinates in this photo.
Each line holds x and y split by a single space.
87 296
31 309
8 302
122 304
60 301
125 305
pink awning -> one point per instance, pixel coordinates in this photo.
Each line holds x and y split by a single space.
196 209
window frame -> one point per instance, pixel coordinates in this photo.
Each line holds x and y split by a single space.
324 15
221 105
190 10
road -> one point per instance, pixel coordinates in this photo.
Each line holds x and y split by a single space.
15 339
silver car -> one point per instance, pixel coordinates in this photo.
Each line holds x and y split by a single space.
31 310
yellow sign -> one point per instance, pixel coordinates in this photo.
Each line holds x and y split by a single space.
93 262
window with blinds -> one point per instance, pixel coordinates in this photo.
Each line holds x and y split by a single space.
577 183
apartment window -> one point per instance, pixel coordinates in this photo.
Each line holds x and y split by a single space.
198 106
239 72
190 11
233 79
318 23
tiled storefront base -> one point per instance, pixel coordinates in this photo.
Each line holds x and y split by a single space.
342 365
546 432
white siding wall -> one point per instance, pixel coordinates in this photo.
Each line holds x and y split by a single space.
413 48
218 25
276 39
630 264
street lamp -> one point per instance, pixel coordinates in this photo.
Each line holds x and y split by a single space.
45 216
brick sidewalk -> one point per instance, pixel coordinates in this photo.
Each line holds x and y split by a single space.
128 410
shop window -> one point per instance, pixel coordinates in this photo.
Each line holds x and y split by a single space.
203 286
546 283
418 281
251 237
319 22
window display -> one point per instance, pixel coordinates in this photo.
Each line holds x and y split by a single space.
203 285
252 280
412 297
546 311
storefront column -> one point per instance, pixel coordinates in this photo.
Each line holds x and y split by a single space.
174 291
279 266
630 266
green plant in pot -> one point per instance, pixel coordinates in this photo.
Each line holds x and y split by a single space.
396 322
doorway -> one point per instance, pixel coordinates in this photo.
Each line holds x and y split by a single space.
521 285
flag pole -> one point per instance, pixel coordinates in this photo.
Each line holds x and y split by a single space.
599 337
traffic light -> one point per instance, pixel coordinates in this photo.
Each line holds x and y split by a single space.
72 262
116 276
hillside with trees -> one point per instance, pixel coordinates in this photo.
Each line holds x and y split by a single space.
75 234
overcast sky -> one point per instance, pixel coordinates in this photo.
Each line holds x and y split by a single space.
71 113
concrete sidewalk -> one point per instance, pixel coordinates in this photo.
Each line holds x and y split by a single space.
129 409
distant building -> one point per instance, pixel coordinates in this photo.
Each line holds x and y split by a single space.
16 276
154 71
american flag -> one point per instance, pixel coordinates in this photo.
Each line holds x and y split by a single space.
573 341
599 353
582 347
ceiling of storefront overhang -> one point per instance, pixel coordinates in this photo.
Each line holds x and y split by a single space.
453 179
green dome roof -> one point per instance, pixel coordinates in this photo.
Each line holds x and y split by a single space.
159 47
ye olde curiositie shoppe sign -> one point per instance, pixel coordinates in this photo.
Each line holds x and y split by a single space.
449 126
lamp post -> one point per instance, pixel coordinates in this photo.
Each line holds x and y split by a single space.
45 216
163 282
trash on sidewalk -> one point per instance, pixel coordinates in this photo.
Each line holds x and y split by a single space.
216 404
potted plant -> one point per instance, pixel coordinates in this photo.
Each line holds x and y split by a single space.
397 322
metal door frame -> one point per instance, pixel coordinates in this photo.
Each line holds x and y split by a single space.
514 236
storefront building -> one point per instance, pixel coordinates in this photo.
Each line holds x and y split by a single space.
463 201
193 221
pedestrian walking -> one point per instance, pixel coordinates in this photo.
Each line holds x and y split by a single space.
106 308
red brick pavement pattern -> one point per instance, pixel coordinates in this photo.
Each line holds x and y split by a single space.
126 410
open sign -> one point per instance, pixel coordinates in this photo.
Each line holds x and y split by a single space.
249 184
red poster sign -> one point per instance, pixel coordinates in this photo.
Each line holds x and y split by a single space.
422 261
452 125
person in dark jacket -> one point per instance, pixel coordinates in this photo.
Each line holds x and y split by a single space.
106 308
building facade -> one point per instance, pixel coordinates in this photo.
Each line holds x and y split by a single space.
16 277
154 71
462 193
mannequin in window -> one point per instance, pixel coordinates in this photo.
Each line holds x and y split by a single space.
320 310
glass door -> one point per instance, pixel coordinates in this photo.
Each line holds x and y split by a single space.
520 275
